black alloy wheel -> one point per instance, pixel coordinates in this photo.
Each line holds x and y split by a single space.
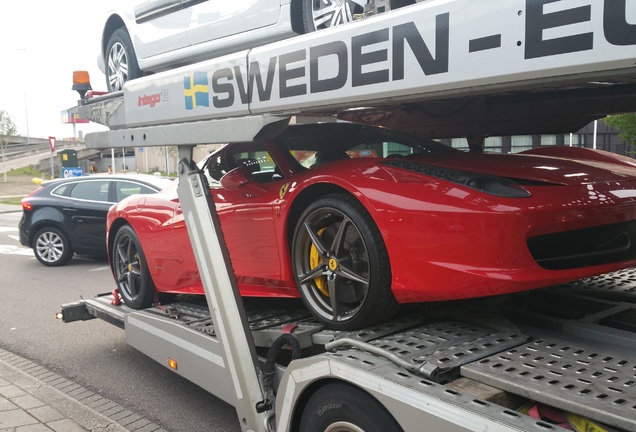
341 264
130 270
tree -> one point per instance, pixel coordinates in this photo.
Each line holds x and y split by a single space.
7 129
626 124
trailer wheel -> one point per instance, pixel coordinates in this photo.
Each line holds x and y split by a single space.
340 407
130 270
120 61
341 265
322 14
51 247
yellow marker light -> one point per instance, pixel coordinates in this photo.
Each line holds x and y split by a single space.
172 364
59 315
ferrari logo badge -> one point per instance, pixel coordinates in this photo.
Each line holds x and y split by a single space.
283 190
333 264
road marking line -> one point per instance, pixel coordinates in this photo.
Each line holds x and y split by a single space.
100 268
15 250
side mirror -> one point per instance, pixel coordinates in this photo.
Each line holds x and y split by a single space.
240 178
235 178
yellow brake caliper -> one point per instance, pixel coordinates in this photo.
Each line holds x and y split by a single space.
314 261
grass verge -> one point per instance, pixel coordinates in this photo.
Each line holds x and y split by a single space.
11 201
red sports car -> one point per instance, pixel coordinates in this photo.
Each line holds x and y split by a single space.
357 219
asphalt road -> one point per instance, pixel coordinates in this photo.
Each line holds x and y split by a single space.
93 353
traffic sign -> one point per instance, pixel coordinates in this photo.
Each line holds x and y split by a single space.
52 143
72 172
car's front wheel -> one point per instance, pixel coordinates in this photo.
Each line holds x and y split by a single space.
120 61
322 14
51 247
130 270
341 264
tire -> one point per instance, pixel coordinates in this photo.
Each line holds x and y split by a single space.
322 14
130 270
51 247
338 249
120 61
339 407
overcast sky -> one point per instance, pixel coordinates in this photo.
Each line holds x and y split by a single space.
43 42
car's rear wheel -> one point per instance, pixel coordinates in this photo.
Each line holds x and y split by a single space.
322 14
341 265
130 269
120 61
51 247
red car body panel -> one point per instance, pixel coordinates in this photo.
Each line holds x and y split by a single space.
444 240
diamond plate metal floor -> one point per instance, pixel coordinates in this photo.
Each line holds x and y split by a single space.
579 379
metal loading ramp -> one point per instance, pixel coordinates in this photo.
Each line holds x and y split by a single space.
586 381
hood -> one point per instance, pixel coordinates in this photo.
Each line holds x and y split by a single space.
531 168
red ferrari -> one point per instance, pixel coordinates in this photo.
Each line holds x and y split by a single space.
357 220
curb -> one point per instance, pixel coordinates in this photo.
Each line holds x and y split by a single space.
87 409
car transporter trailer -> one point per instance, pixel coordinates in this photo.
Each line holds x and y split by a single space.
438 68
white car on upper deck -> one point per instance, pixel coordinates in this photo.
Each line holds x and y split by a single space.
154 35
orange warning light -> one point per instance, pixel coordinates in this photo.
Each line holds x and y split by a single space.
172 364
81 77
81 82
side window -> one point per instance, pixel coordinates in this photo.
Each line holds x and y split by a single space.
306 158
124 189
313 158
261 165
91 191
380 149
64 190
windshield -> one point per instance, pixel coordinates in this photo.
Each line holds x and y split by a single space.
315 144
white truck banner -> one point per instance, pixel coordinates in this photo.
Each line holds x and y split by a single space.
432 49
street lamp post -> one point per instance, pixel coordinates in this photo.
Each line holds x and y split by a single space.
26 106
4 161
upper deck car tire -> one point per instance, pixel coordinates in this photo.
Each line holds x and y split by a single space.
121 61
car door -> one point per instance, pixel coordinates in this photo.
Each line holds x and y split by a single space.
248 221
213 19
159 26
85 212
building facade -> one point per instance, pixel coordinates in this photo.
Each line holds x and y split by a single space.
599 136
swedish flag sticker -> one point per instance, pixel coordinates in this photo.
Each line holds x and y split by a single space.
195 90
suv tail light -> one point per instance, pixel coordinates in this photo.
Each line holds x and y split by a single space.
26 205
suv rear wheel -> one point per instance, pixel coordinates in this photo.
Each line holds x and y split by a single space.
51 247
